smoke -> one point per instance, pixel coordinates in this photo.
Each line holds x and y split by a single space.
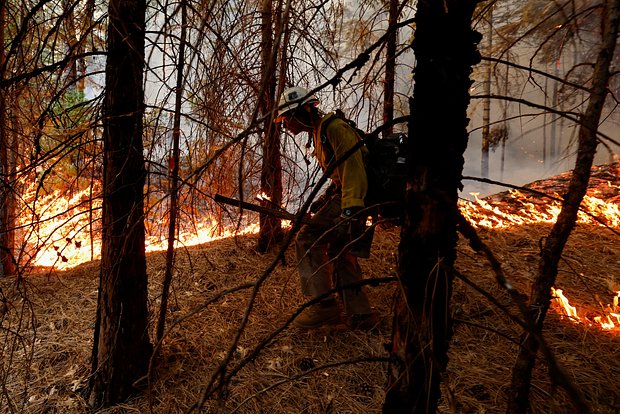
526 158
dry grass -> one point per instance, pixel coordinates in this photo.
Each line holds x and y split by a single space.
483 349
47 339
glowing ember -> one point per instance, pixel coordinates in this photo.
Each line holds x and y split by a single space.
609 321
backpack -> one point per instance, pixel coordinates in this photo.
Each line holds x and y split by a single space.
385 169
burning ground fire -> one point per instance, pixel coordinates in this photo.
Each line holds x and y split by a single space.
518 210
601 205
60 237
515 208
610 321
481 213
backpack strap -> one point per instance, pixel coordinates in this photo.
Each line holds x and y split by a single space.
323 131
338 114
327 146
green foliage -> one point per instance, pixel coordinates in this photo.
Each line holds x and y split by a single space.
69 110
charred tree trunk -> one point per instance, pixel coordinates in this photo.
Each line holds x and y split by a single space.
445 50
390 66
7 195
271 173
122 347
554 245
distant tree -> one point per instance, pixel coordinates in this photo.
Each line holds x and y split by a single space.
390 64
445 50
122 348
486 103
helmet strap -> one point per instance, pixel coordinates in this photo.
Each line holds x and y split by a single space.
308 146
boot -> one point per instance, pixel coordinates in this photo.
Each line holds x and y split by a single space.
319 314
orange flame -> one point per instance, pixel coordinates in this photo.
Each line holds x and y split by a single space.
263 197
610 321
481 213
55 230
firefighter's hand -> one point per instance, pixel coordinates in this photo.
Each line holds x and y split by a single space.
354 221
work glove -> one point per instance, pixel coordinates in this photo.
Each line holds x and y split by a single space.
354 220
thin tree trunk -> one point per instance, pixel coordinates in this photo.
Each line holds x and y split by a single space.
486 103
122 348
445 49
554 116
544 146
89 17
71 39
271 173
174 175
554 245
390 66
505 125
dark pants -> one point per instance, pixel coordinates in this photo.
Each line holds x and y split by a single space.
324 264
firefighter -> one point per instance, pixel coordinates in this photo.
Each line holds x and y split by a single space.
325 257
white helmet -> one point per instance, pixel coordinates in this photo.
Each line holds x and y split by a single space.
293 98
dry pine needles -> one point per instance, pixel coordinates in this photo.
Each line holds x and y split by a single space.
48 329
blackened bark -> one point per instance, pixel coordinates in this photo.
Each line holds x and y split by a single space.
445 50
271 173
554 245
122 348
7 175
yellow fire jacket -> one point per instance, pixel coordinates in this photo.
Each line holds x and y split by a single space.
350 175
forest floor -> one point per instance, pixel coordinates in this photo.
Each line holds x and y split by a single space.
333 370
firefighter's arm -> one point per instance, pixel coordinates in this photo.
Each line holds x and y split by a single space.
351 172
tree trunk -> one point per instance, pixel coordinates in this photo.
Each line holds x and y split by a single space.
174 176
554 245
271 173
390 66
486 103
122 348
553 154
445 50
7 194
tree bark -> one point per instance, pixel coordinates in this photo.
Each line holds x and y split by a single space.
174 176
390 66
486 103
7 175
445 50
554 245
122 347
271 173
